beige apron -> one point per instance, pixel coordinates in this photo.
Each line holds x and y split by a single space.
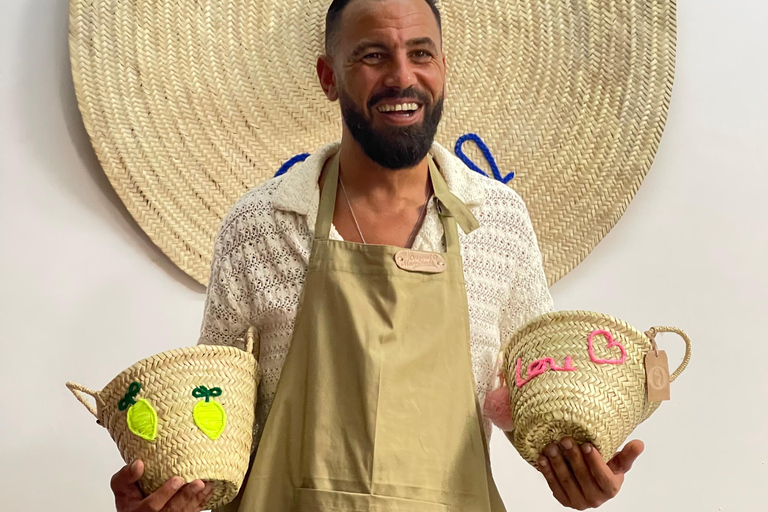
376 408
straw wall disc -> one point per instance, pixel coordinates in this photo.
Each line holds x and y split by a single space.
189 104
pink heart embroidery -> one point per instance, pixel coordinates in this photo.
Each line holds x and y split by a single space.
611 343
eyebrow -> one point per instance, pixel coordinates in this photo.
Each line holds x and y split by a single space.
422 41
364 47
369 45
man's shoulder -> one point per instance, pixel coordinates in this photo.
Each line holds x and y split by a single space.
500 198
255 207
504 215
494 198
294 193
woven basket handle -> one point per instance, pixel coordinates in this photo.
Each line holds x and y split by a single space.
80 392
251 341
653 331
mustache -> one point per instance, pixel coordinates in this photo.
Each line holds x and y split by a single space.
410 92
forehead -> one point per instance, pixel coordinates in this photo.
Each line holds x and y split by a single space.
387 21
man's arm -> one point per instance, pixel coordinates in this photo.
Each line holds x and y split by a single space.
529 295
576 475
227 314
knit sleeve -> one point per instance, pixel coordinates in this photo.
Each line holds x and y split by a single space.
529 295
226 316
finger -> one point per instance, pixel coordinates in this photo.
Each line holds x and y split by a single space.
123 483
565 476
622 461
205 495
187 499
554 484
160 498
592 492
606 480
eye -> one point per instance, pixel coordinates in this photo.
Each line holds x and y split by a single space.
422 55
373 58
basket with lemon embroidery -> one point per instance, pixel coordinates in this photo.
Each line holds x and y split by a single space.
186 412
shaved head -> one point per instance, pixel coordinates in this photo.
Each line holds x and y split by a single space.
333 19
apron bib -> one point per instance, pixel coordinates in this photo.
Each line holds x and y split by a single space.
376 407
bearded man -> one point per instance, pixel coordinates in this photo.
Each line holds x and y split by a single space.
381 277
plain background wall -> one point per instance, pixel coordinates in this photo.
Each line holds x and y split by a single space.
85 294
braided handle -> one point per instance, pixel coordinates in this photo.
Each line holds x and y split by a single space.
80 391
251 341
653 331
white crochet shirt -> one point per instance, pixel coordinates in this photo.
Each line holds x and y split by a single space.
262 252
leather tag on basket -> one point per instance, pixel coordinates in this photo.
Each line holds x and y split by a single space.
657 375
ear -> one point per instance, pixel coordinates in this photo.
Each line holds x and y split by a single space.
327 77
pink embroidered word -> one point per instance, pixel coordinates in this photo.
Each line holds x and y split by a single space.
540 366
611 343
546 364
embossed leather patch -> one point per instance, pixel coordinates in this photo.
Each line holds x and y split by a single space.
420 261
657 375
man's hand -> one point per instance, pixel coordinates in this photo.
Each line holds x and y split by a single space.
578 476
173 496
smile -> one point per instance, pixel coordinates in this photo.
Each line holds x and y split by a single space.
400 114
400 107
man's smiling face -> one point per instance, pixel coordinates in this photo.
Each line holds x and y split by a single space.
389 76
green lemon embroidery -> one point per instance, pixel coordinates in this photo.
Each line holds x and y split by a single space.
141 416
209 416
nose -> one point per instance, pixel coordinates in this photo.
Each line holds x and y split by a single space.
399 73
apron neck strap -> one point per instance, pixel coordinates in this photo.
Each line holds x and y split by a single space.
449 206
327 199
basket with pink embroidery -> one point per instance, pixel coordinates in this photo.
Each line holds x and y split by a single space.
585 375
186 412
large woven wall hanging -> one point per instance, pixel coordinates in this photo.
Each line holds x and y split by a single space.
190 103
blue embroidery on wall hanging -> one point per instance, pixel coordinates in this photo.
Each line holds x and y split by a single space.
459 153
290 163
486 153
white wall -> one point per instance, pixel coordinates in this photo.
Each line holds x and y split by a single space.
85 294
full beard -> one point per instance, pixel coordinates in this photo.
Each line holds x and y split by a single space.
393 147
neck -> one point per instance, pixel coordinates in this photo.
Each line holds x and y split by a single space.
378 186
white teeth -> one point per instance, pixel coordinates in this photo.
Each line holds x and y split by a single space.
399 107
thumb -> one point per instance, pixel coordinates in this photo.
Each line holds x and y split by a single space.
622 461
124 482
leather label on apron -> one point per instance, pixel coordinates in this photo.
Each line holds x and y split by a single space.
420 261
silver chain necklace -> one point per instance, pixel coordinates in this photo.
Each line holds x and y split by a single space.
412 236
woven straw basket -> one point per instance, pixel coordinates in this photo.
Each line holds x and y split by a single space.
560 387
187 412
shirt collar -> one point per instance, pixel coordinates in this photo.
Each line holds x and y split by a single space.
299 192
